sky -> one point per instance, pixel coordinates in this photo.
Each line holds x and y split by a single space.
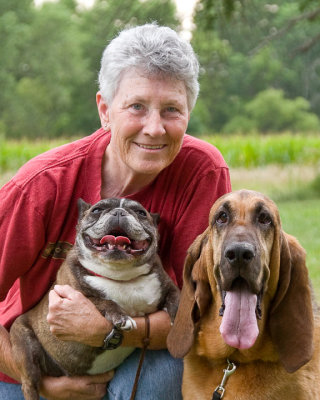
184 7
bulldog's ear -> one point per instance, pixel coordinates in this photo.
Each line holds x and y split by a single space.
195 297
156 218
82 207
291 315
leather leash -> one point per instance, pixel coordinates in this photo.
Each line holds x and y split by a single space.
145 342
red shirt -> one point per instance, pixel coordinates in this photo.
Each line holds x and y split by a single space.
38 212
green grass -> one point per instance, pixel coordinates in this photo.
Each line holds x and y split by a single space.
301 218
14 153
258 150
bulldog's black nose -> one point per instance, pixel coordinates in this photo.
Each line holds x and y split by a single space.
119 212
241 252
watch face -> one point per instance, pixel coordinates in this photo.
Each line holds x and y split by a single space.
113 339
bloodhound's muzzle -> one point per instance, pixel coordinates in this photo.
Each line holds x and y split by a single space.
245 286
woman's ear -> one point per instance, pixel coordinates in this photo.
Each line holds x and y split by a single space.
103 110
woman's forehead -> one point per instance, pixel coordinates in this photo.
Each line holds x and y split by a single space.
134 86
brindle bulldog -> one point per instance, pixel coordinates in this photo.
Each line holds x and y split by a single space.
114 263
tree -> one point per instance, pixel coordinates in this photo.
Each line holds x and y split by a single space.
15 17
50 57
251 67
48 63
270 111
308 10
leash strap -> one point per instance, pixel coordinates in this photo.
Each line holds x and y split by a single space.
219 391
216 396
145 342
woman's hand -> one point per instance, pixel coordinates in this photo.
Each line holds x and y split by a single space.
75 388
73 317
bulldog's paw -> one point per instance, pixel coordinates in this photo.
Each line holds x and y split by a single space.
126 323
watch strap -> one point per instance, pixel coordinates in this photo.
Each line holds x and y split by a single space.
113 339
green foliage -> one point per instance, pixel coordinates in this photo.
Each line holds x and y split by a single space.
270 111
256 47
50 57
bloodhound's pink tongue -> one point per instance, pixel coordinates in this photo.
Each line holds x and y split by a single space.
239 326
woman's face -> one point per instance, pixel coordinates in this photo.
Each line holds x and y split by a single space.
148 118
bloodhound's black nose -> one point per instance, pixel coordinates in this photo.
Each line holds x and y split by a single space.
240 252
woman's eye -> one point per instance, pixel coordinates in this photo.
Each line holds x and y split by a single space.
172 109
264 219
137 107
222 218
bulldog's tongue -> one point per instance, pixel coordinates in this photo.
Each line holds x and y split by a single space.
115 240
239 326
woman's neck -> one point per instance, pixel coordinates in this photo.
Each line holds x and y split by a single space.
119 181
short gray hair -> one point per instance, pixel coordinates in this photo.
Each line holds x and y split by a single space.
154 50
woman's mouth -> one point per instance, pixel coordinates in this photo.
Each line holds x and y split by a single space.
151 147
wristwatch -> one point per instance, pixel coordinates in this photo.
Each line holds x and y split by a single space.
112 339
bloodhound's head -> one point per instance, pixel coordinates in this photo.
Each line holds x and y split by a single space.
241 259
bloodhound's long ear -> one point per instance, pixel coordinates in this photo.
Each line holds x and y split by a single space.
291 316
195 297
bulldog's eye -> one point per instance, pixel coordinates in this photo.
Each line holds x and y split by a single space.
97 210
141 212
264 219
222 218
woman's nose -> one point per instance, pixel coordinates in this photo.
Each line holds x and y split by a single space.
153 124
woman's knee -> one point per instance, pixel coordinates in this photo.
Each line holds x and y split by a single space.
160 378
11 391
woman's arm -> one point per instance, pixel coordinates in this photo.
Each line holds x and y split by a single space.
63 388
74 317
7 364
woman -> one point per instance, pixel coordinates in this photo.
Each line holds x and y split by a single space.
148 87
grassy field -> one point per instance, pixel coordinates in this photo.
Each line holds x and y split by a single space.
285 167
14 153
259 150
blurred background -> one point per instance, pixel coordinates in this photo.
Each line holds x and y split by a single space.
259 101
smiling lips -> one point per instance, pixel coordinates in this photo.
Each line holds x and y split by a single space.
121 243
151 147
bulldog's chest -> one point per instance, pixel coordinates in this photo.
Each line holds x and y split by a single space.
137 297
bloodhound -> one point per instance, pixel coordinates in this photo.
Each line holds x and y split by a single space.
247 323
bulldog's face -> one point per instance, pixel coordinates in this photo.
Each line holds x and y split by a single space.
115 236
